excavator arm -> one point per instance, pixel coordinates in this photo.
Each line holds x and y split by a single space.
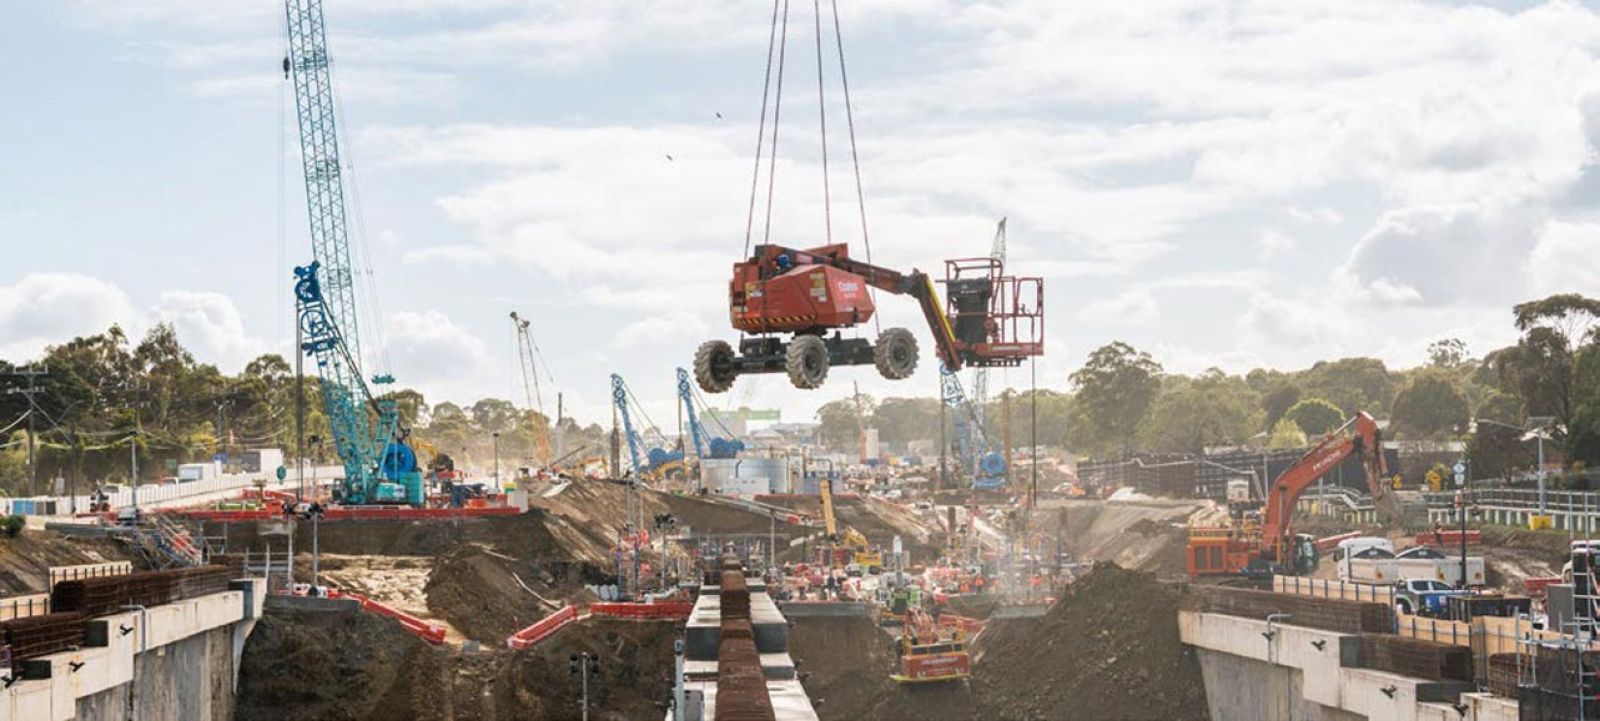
1360 435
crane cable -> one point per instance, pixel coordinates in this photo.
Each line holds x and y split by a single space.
761 132
855 158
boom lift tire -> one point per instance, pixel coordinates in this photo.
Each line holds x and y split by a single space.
714 370
895 354
806 361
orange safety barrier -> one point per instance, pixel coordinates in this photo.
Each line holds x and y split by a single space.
527 637
432 633
1329 543
657 610
1449 538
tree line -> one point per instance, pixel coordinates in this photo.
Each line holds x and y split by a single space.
1122 401
100 401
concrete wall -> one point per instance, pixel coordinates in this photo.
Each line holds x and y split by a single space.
1253 669
178 661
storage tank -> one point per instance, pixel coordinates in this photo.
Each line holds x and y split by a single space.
745 476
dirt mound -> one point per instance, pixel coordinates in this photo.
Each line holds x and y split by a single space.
353 666
487 595
326 666
1110 648
25 561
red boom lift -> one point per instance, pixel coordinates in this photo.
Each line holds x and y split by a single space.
992 319
1271 547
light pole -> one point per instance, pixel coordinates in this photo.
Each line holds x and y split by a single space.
497 461
585 665
1538 428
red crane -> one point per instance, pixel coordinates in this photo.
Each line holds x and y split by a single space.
991 319
1272 547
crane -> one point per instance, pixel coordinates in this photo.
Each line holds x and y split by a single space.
987 468
644 463
379 466
705 445
980 375
991 319
527 352
1272 547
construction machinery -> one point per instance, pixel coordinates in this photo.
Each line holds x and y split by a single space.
530 360
849 546
705 444
1260 543
379 467
651 464
986 468
929 652
991 319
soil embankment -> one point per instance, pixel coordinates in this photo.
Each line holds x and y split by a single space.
347 665
1109 650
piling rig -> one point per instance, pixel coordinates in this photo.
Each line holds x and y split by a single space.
796 303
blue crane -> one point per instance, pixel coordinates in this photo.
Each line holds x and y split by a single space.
645 464
378 467
987 468
725 446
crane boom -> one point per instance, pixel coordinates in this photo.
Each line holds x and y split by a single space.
1366 440
378 467
619 397
530 386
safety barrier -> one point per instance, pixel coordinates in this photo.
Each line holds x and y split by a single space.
1448 538
1345 590
527 637
341 513
1328 544
432 633
660 610
88 570
33 604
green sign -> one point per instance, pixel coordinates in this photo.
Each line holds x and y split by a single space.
282 473
172 464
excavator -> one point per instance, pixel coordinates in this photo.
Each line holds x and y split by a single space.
850 546
1258 549
991 319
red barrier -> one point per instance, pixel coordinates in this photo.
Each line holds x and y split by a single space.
541 630
1324 545
424 630
660 610
1538 587
343 513
1449 538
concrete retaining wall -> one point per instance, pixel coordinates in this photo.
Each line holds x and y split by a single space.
177 661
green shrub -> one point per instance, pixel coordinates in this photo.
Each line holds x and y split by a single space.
12 526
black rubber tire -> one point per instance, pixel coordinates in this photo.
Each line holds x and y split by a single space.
895 354
806 360
713 366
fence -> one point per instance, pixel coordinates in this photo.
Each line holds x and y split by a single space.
1342 590
164 493
88 570
33 604
430 632
660 610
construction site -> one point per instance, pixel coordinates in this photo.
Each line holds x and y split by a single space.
310 540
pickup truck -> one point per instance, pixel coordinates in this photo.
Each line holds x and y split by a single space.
1424 597
1379 564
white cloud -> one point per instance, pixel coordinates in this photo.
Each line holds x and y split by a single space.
1274 243
209 325
1566 259
43 309
1134 306
1438 255
434 352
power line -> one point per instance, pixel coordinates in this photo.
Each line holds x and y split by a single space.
32 374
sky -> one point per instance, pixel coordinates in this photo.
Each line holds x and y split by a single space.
1229 184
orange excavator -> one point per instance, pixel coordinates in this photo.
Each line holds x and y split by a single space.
1253 547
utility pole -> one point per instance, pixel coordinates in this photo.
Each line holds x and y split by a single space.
32 373
300 414
497 460
942 442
